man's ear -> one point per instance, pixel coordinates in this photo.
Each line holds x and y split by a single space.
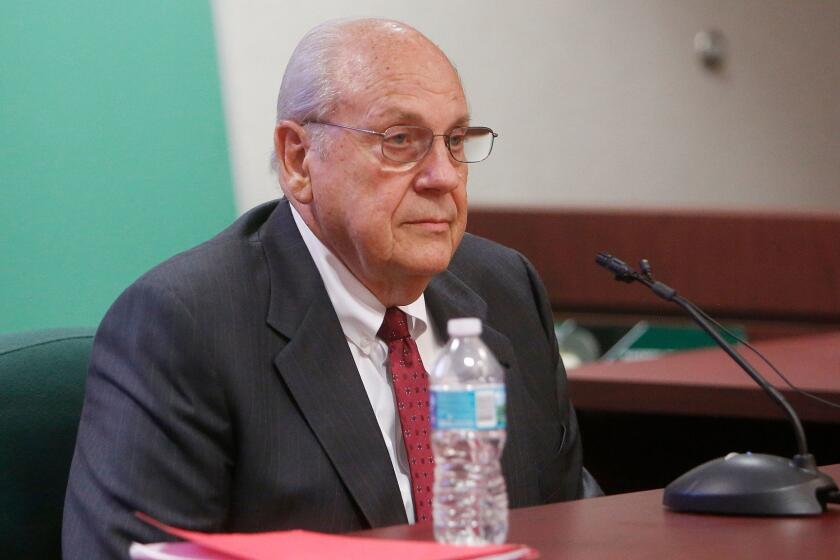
291 145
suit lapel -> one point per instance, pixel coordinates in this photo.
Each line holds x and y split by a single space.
447 297
319 371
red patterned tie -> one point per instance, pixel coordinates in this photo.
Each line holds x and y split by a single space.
411 386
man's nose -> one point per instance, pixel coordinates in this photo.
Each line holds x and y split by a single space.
439 170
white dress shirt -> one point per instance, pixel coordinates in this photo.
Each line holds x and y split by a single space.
361 315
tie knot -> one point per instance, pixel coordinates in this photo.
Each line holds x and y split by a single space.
394 326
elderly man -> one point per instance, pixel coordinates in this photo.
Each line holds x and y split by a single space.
241 385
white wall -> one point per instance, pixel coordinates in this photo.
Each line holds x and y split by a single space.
598 103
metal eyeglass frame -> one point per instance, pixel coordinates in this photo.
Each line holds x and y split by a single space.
445 137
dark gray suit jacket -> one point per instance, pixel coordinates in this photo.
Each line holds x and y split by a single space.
222 395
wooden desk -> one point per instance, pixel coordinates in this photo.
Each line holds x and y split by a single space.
630 526
707 382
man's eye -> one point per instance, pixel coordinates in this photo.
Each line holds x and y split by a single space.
456 140
399 139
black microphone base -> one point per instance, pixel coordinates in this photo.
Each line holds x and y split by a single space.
752 484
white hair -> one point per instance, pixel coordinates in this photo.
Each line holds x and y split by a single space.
309 91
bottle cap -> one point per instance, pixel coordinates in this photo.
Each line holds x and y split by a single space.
466 326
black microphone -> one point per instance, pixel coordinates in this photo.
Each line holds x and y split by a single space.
625 273
740 483
622 271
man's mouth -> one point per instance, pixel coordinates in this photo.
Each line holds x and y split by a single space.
432 225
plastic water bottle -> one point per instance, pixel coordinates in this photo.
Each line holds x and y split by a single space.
468 434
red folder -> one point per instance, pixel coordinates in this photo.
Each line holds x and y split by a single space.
306 545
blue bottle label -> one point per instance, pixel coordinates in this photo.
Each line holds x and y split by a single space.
472 409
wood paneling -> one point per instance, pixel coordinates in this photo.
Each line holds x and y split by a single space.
769 267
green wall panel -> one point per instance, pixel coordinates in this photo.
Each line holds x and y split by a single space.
113 154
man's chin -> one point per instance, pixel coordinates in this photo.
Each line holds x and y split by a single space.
427 265
426 256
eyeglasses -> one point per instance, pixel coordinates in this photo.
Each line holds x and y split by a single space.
407 143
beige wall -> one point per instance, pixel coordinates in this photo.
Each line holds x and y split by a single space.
598 103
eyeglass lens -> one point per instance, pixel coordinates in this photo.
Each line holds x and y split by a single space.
406 143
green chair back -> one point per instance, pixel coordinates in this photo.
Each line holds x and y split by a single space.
42 378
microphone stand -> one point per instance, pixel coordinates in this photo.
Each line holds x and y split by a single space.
739 483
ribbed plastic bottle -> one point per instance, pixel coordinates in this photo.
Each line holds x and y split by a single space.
468 434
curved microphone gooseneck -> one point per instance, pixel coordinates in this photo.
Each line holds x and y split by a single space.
745 484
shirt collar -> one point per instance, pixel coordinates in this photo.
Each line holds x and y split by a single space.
358 310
